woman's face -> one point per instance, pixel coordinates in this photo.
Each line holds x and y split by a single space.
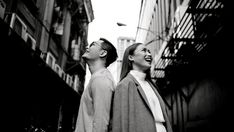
141 59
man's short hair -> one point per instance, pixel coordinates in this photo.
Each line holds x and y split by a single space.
111 51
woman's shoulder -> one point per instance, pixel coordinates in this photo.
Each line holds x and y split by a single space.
125 82
127 79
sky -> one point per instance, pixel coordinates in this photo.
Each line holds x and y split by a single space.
106 15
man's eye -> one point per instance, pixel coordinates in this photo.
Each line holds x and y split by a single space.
91 45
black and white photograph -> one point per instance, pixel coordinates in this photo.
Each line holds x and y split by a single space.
116 65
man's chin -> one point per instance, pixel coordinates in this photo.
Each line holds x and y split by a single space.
84 56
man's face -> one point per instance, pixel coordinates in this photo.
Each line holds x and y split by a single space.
93 51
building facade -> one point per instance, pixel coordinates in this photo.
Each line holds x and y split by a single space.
49 36
184 37
54 28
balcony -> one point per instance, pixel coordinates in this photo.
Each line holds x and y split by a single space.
35 96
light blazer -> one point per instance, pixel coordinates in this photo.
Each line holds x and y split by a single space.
131 110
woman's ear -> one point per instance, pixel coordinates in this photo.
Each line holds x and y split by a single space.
103 53
130 57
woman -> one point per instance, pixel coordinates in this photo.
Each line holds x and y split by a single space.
137 106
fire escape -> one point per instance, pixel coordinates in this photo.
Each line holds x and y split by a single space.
191 45
196 52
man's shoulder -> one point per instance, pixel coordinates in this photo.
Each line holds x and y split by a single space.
103 77
104 74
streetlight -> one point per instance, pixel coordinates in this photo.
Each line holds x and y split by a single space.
157 36
122 24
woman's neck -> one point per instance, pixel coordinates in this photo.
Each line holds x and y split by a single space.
138 69
138 74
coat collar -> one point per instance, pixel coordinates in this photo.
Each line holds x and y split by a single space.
142 93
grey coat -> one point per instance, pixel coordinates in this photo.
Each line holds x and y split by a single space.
131 111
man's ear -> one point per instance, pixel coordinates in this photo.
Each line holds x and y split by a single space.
103 53
130 57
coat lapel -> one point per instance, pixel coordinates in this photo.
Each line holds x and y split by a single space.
159 97
142 93
163 107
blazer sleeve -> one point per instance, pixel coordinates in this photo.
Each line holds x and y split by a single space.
120 109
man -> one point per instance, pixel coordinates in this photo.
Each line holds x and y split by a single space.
95 104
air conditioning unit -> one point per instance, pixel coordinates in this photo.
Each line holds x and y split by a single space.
50 59
2 8
31 41
69 80
18 25
57 69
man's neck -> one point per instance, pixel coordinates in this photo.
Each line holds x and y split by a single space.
95 66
